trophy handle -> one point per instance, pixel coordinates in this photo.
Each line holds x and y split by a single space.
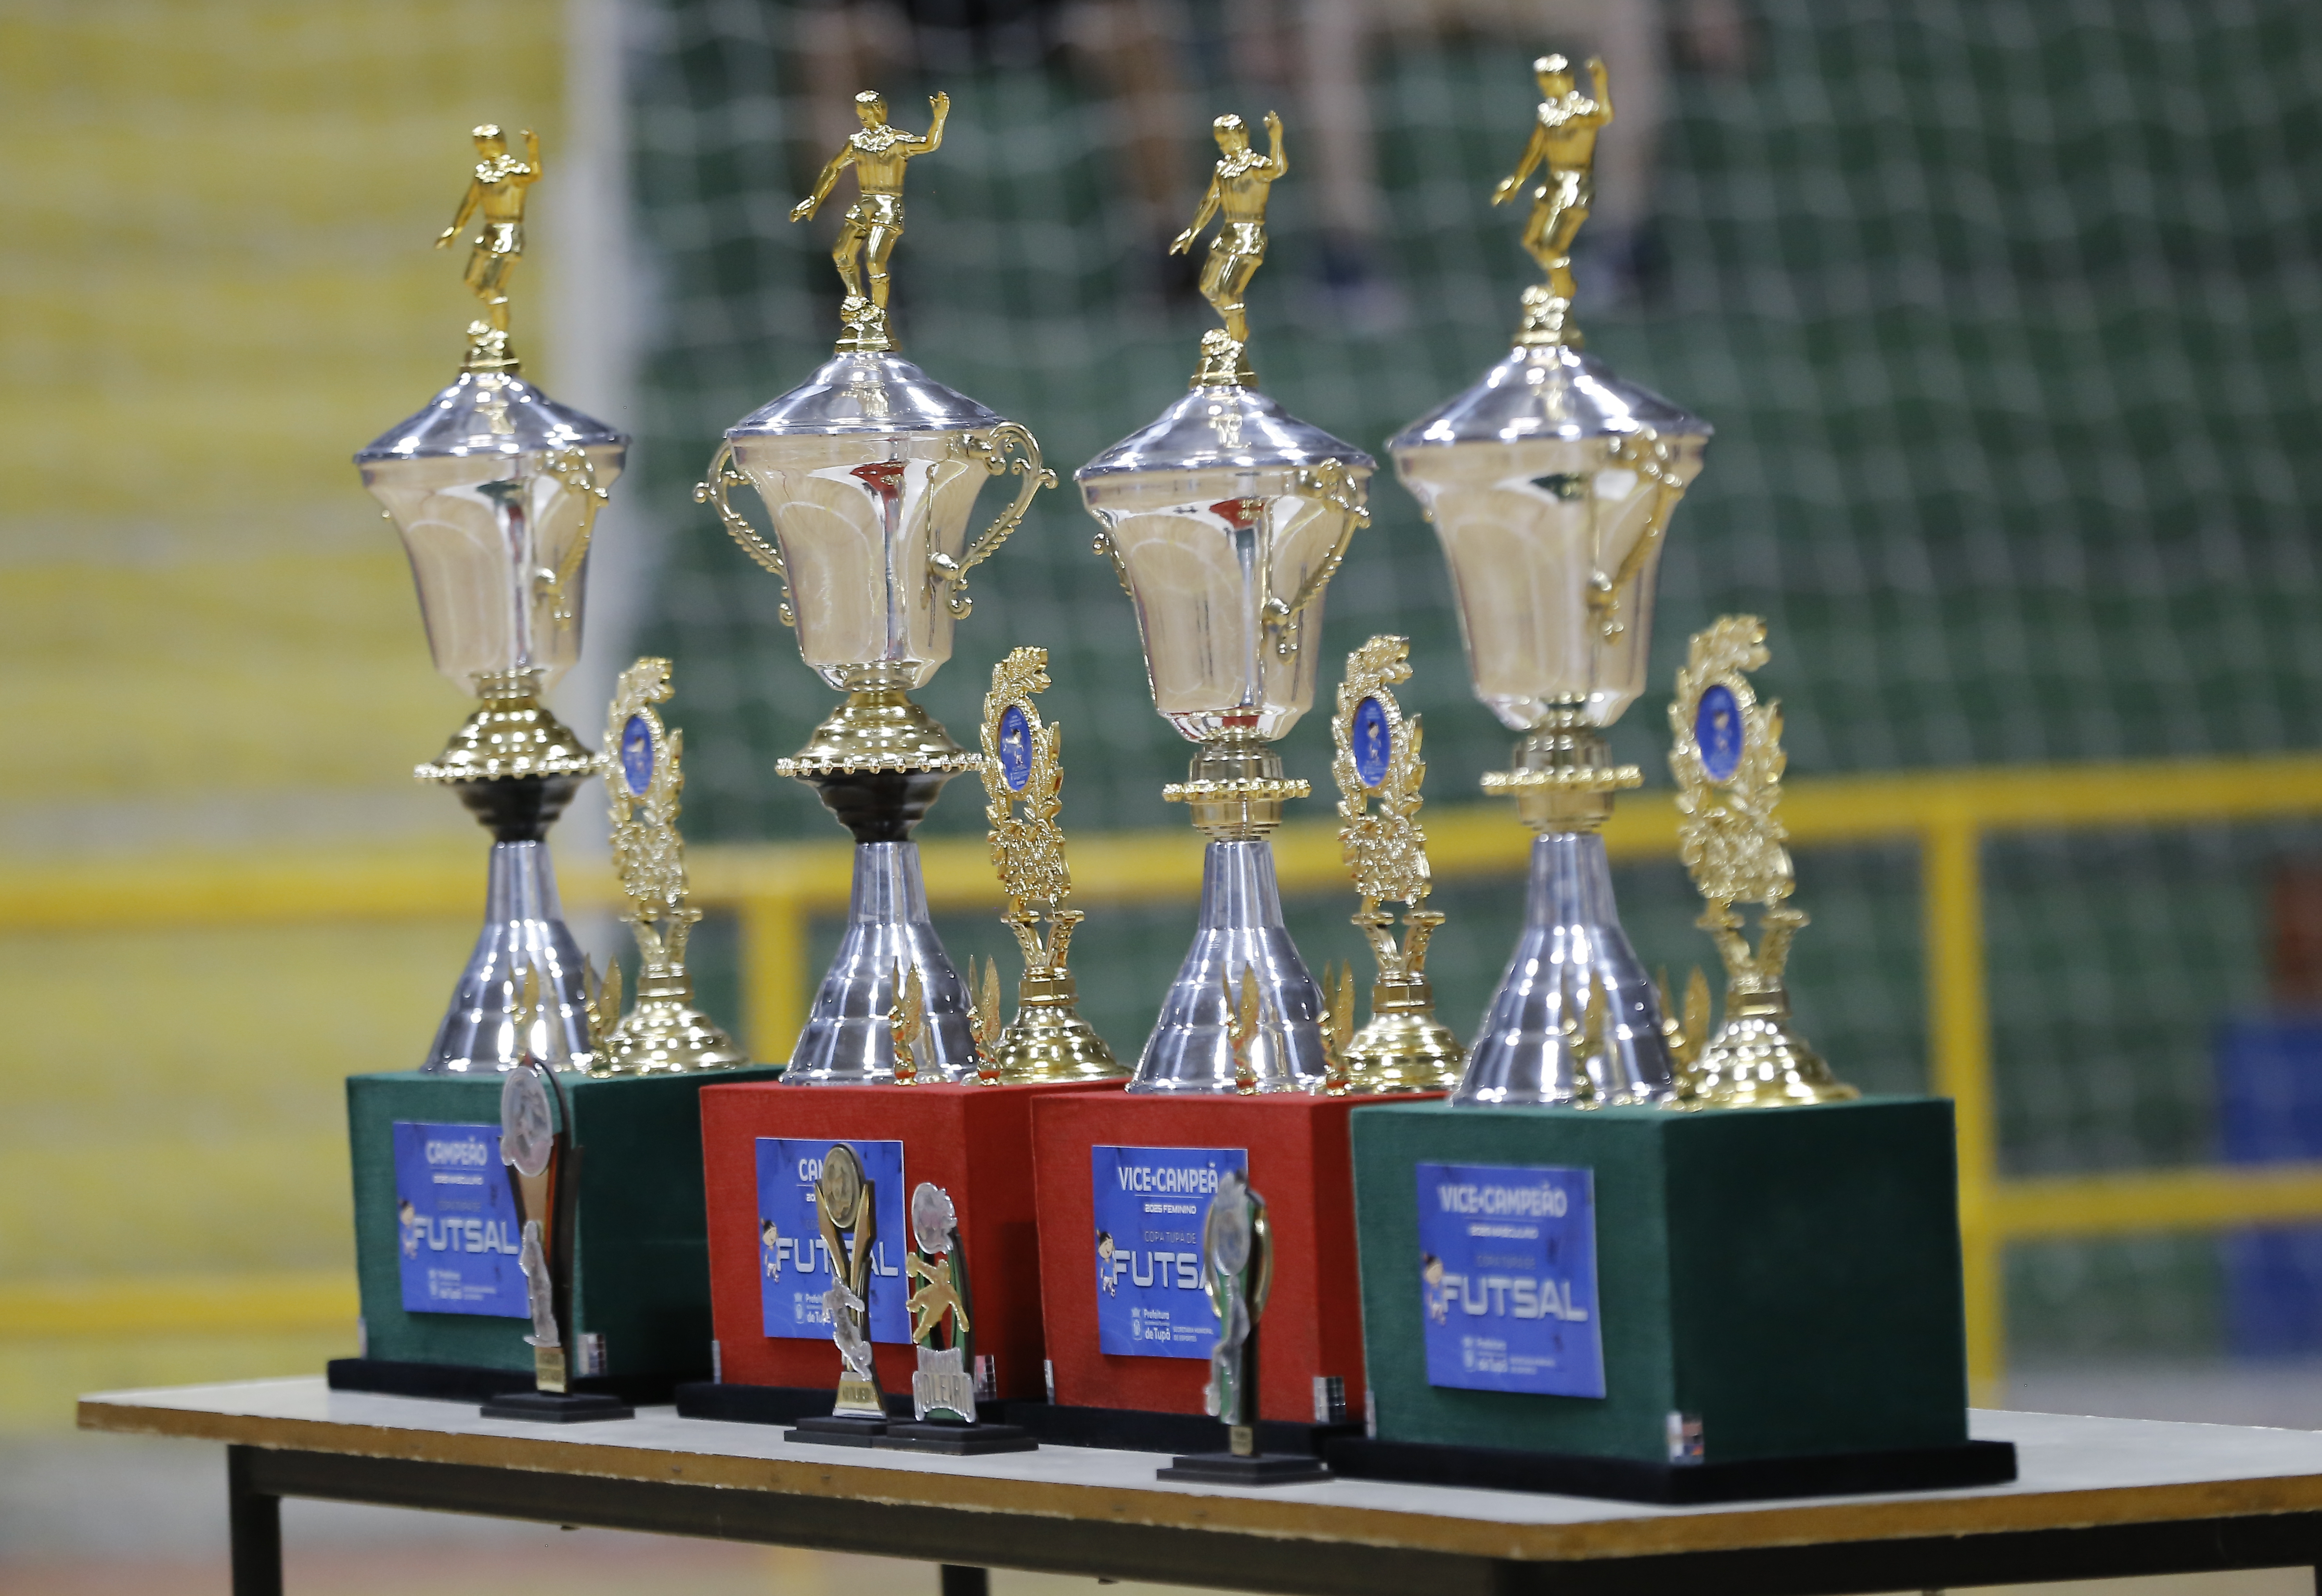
574 469
1335 485
711 491
1644 451
1011 447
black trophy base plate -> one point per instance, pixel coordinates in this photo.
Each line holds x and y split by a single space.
1227 1468
549 1406
829 1430
468 1383
766 1404
957 1440
1138 1429
1845 1473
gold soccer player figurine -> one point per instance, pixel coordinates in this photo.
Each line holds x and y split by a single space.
1728 762
1563 147
878 154
1238 189
496 190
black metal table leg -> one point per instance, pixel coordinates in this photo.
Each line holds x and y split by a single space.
254 1526
958 1580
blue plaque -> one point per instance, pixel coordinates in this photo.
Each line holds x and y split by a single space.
1374 743
459 1233
1507 1279
1150 1202
1015 747
794 1266
637 755
1718 731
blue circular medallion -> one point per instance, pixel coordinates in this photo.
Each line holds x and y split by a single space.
1015 749
637 755
1718 731
1374 743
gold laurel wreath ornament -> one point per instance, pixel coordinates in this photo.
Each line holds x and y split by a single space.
1403 1048
1728 762
1023 783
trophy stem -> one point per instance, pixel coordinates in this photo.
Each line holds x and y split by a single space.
848 1039
1191 1049
524 930
1533 1046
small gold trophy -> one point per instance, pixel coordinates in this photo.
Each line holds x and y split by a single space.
1023 764
664 1035
1728 762
845 1209
1404 1047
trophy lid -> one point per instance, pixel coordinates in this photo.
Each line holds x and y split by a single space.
1231 427
1549 391
488 413
864 391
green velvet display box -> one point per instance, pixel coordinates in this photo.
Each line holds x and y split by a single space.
639 1235
1775 1293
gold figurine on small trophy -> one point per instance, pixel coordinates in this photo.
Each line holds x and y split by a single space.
664 1035
879 154
1023 764
1728 762
495 191
1563 147
1404 1047
1238 188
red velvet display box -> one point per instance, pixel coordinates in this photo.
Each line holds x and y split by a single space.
1301 1163
975 1142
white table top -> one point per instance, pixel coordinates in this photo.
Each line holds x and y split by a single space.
2074 1473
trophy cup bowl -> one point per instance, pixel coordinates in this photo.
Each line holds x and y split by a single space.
870 471
1224 519
495 487
1550 484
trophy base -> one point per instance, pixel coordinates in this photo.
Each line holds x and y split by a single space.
829 1430
957 1440
550 1407
1138 1429
1676 1484
1294 1148
789 1405
1260 1468
1049 1044
666 1035
1757 1062
468 1383
1404 1051
1836 1332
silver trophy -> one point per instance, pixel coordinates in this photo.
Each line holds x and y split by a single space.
495 487
1225 518
870 471
1551 484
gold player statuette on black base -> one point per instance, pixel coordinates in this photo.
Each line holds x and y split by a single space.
846 1209
1023 781
664 1034
1404 1047
1728 762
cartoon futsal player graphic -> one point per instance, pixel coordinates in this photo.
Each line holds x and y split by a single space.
410 1216
1438 1302
1105 1276
769 1234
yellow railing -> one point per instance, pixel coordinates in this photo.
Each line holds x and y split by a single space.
777 890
